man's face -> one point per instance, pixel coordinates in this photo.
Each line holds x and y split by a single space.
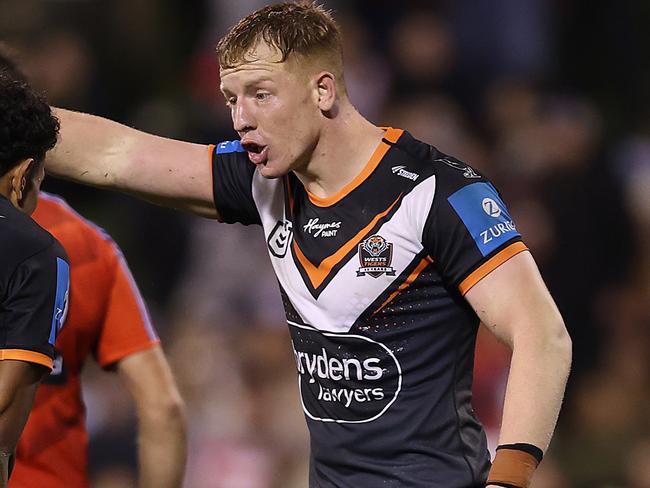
274 109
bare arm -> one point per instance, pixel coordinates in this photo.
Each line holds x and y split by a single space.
99 152
515 305
18 383
162 441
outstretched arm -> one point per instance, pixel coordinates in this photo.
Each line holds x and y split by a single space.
162 441
513 302
18 383
99 152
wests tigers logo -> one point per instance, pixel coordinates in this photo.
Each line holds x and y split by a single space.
375 255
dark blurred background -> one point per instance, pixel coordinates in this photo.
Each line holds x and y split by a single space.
550 98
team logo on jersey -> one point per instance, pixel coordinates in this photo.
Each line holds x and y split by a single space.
321 229
400 171
280 238
344 378
375 255
468 171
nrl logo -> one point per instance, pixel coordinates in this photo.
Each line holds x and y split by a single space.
375 255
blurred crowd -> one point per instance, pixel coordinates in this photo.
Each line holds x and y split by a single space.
549 98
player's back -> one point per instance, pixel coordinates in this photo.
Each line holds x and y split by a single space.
52 451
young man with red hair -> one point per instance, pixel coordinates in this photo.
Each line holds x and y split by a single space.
388 254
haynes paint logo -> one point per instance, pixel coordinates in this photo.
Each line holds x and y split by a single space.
375 256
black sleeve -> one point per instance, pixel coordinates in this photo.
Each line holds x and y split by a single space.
35 306
469 231
232 174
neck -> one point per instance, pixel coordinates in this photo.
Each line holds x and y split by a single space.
345 145
5 187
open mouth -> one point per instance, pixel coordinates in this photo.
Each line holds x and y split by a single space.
257 153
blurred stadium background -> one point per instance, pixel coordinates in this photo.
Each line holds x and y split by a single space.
550 98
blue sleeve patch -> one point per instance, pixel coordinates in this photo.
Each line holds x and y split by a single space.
61 298
485 216
229 147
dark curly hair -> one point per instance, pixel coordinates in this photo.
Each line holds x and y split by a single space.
28 129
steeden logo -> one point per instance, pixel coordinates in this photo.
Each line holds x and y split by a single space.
400 171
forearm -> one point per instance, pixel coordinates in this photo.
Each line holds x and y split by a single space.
162 434
162 449
538 373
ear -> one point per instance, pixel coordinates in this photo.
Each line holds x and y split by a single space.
18 181
326 85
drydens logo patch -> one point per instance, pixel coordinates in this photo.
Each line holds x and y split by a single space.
344 378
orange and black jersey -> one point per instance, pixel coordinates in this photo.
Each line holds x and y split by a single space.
34 280
373 280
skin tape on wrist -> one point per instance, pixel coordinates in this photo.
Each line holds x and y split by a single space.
512 468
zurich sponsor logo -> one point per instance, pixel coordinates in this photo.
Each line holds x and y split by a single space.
491 207
401 171
344 378
485 216
317 229
229 147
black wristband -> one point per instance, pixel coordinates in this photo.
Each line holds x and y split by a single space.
534 451
505 485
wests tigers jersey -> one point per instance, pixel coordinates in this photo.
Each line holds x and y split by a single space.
373 280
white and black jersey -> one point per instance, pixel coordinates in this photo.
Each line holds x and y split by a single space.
34 281
373 280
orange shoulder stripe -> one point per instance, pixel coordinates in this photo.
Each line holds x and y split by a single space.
490 265
411 278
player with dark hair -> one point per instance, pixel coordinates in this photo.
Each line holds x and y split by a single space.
107 319
388 253
34 268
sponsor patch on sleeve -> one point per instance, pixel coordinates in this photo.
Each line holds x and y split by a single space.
229 147
485 216
61 298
